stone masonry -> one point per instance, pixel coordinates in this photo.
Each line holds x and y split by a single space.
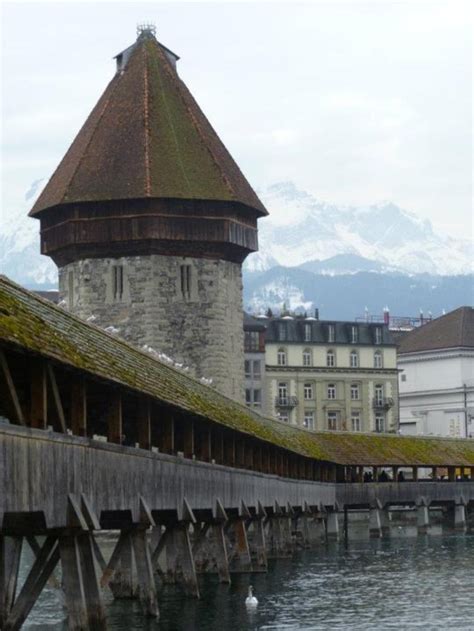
188 308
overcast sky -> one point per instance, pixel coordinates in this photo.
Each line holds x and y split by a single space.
355 102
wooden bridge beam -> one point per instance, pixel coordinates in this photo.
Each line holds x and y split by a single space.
11 390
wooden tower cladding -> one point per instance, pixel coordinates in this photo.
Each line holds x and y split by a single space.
149 219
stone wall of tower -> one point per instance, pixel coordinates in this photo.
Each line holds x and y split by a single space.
188 308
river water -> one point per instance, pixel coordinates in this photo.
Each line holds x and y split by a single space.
405 582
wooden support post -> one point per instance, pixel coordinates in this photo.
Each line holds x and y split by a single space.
188 438
258 550
206 445
14 400
10 553
249 454
166 423
39 395
114 419
146 581
452 474
79 407
217 447
433 474
90 580
40 572
120 571
240 449
229 451
240 559
72 582
415 473
266 468
144 423
56 397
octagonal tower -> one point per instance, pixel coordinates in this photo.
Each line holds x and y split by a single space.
149 219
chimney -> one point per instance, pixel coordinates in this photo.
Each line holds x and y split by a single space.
316 313
386 316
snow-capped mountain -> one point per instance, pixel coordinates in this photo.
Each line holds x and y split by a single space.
20 257
304 231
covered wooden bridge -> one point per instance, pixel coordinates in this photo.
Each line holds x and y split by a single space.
97 434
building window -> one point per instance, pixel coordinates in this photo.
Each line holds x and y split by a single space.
331 391
354 335
331 333
185 280
378 360
117 280
281 357
283 393
307 357
282 331
248 373
354 359
379 423
379 394
308 420
355 421
248 396
251 341
257 373
330 359
257 397
403 377
307 333
284 416
333 420
308 391
378 335
355 391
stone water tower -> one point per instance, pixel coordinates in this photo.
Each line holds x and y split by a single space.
149 219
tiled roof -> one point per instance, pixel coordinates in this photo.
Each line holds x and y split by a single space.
294 331
147 138
453 330
38 326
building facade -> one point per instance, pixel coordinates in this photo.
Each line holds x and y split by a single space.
436 365
331 375
149 219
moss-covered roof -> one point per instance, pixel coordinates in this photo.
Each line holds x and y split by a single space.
34 324
147 138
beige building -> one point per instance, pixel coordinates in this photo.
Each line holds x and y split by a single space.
331 375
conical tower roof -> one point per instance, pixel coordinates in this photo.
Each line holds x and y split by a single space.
147 138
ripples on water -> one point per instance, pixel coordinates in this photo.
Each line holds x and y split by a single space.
399 583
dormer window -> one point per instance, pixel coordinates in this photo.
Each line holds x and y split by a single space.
354 334
378 335
282 331
331 333
307 332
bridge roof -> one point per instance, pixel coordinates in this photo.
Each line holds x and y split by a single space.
35 325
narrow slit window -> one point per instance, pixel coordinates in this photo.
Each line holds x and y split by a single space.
118 282
186 280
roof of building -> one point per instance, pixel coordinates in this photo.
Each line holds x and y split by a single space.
284 330
453 330
147 138
37 326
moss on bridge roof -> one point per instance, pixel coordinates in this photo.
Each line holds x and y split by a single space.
38 326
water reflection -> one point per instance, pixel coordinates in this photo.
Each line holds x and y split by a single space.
402 582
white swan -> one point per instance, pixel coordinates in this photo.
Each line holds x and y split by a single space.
251 601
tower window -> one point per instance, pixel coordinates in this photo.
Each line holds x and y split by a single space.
70 289
186 281
118 281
